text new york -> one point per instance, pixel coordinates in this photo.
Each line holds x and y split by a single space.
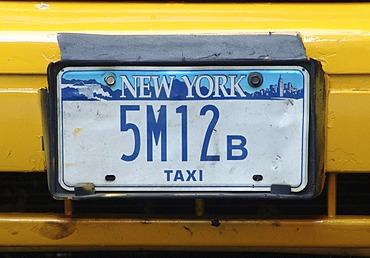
201 86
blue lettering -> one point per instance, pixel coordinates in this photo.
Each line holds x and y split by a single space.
168 172
191 175
129 126
184 131
178 176
156 128
216 114
240 146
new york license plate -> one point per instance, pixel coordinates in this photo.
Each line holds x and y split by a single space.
183 128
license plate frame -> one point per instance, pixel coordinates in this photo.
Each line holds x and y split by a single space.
88 189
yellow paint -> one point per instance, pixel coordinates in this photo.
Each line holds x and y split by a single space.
348 139
16 82
350 82
20 131
30 58
37 230
348 123
336 34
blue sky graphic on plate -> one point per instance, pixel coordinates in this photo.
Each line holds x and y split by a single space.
180 85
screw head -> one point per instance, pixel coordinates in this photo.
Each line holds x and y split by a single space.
255 79
110 80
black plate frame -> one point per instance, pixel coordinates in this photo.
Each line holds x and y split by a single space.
317 104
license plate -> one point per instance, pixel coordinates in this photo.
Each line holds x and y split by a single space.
183 129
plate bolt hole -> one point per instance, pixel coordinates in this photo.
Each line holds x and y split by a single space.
257 178
110 80
255 79
110 178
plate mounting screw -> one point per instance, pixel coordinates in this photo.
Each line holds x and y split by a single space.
110 80
255 79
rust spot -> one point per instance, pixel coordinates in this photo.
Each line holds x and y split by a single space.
188 229
276 224
14 233
57 230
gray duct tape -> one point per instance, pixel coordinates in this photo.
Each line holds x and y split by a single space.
180 48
